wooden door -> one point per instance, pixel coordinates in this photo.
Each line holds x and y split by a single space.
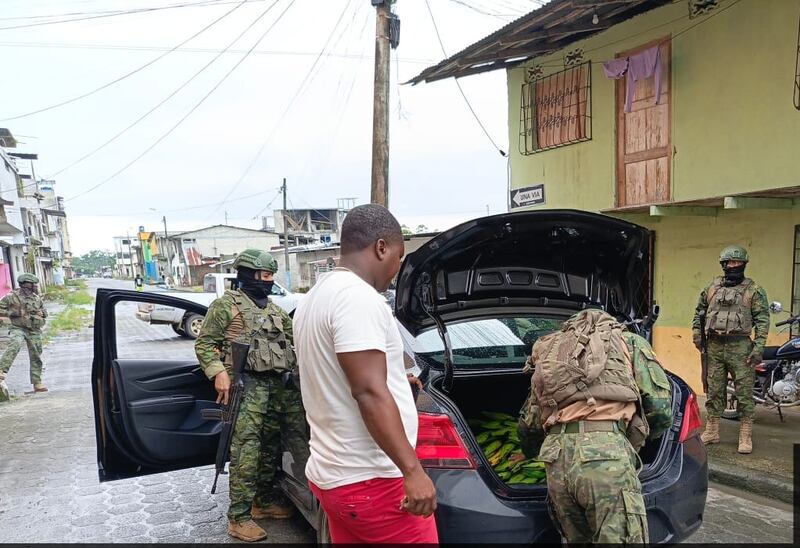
644 140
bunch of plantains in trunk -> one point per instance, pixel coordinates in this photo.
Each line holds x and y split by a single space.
496 433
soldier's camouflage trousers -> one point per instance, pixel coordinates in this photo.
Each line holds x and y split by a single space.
594 489
16 337
729 356
271 420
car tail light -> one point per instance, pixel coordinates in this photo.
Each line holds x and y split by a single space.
439 445
761 367
691 419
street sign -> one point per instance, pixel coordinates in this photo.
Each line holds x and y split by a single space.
528 196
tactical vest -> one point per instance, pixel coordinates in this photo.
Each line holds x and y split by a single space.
585 361
27 312
263 331
729 311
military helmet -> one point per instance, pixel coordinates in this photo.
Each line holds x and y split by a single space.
27 278
733 253
256 259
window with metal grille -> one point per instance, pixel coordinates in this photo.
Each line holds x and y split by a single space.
556 110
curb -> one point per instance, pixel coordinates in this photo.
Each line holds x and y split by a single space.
751 481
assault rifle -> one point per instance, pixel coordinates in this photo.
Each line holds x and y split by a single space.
703 350
227 415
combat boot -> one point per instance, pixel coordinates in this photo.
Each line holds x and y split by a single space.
711 433
248 531
39 388
746 436
272 511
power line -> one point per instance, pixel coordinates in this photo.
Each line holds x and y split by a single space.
458 84
112 47
201 3
190 208
167 98
266 207
195 107
110 14
131 73
286 110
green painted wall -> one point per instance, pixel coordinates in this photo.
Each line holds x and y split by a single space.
734 127
734 130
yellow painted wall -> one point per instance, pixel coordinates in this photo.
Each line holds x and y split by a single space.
734 127
734 130
686 260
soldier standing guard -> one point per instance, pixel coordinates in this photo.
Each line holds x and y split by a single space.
734 306
597 394
272 410
25 308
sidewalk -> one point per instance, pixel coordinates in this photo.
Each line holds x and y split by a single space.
768 470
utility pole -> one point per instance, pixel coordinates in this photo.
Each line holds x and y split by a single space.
286 239
169 246
130 255
379 192
226 217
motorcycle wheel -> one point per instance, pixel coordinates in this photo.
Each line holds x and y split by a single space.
731 411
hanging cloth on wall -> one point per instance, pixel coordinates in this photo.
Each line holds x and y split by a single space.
641 66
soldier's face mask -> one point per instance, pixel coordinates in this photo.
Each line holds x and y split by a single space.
28 287
254 285
734 272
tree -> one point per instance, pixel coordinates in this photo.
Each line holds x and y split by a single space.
92 262
421 229
405 230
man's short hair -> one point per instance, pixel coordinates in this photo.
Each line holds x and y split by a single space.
366 224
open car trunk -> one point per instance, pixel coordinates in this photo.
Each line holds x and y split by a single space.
505 392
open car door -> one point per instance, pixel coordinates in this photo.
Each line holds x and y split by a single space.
148 390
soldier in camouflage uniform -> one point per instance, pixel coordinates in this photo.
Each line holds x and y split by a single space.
25 308
271 415
735 307
589 441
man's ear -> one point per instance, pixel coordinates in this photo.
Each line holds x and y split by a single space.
381 248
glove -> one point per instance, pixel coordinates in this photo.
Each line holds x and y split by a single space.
696 339
755 358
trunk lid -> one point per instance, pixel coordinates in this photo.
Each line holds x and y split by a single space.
547 260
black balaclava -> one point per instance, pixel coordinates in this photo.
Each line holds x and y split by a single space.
258 290
734 275
28 287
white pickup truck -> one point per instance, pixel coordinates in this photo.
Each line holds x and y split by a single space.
187 324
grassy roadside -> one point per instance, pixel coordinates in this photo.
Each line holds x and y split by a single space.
74 316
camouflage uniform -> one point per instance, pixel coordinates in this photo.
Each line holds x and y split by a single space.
270 412
27 314
730 353
592 480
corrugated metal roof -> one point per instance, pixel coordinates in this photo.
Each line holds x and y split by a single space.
542 31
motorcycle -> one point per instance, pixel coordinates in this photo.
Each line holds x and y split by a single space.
777 383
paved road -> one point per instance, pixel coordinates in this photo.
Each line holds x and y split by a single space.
48 473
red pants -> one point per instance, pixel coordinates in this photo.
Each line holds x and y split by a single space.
369 511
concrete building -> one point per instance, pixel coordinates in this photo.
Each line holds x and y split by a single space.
12 238
709 161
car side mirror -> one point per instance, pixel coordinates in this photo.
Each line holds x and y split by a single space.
775 307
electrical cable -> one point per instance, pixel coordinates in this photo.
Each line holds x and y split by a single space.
458 84
200 4
111 47
149 112
189 208
266 207
111 14
131 73
286 110
195 107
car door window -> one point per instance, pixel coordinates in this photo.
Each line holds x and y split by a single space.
155 331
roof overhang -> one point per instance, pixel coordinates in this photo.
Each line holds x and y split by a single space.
549 28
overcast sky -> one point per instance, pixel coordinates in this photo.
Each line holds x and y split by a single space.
443 169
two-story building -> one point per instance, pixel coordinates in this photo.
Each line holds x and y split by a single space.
682 116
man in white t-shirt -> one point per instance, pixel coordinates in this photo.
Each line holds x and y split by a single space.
363 467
